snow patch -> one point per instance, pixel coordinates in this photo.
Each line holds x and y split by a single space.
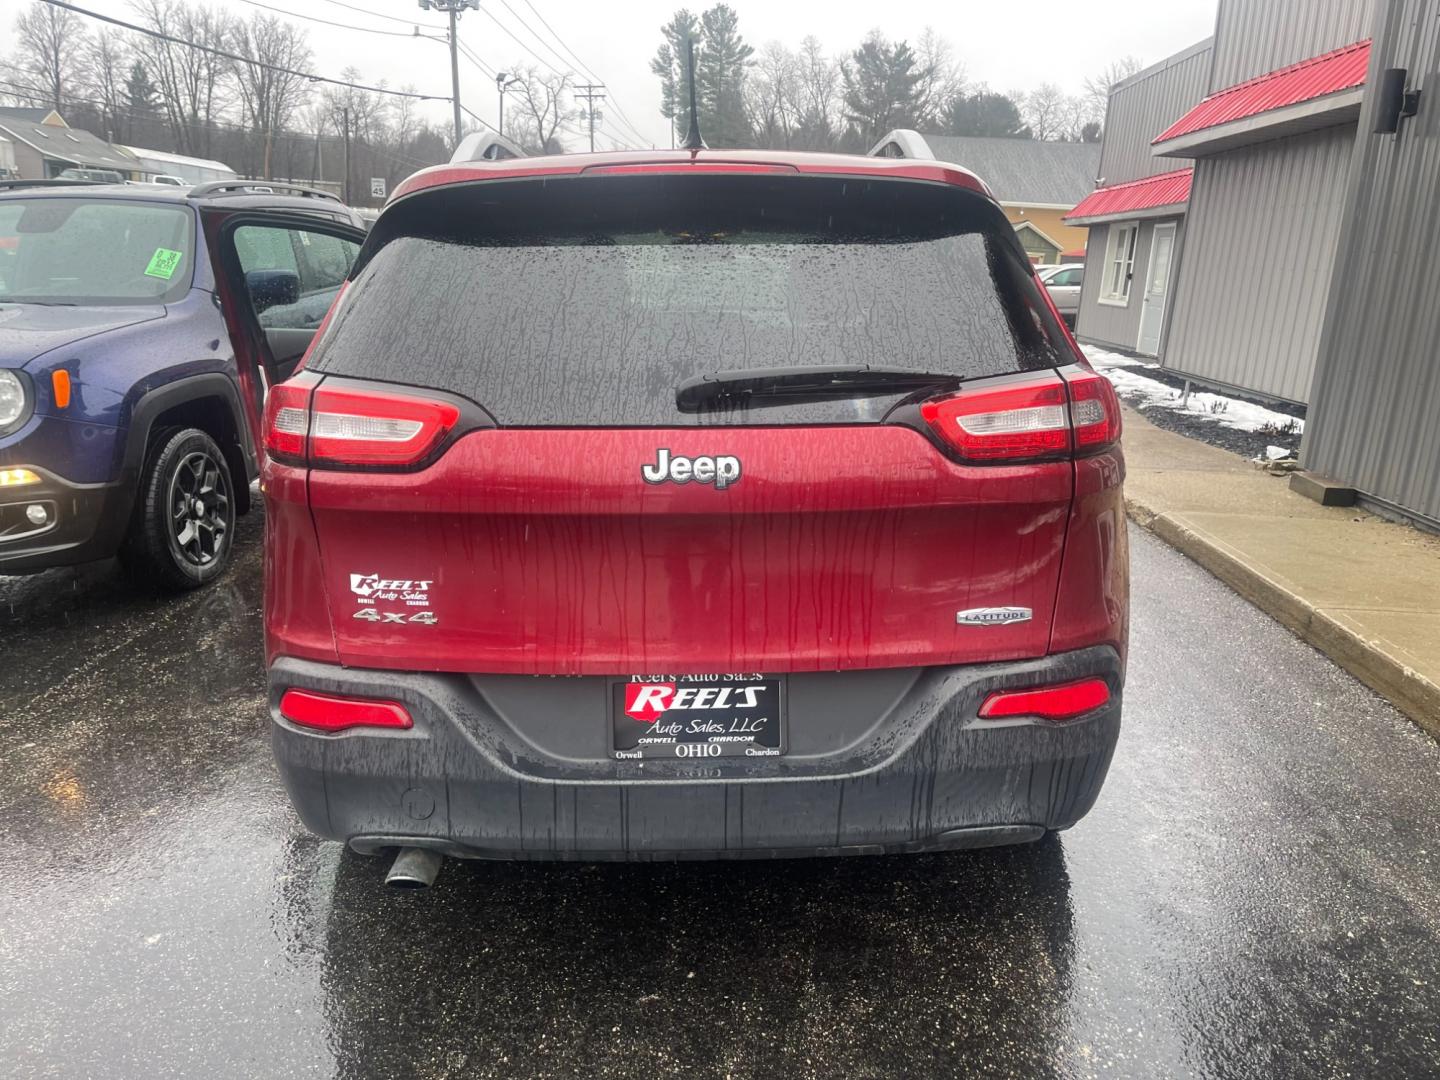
1142 392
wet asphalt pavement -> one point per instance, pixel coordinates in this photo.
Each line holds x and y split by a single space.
1254 896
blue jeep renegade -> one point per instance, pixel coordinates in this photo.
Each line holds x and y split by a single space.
140 327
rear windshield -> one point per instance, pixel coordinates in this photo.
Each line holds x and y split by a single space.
586 301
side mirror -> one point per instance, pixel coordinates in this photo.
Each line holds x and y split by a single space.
273 288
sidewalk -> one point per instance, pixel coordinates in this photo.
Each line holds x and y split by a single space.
1362 590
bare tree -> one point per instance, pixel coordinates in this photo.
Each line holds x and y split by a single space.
107 60
403 120
51 41
544 108
818 88
772 96
358 116
941 76
1047 111
270 97
193 83
1097 88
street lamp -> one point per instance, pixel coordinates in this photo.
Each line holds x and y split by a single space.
503 81
453 8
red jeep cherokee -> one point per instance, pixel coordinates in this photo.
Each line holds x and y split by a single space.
693 504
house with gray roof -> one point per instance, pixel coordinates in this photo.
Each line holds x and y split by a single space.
45 146
1036 182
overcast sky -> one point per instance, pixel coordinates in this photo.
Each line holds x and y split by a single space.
1010 46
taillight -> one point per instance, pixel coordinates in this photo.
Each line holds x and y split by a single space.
353 427
1014 422
1054 703
361 427
1036 419
287 420
1094 411
326 712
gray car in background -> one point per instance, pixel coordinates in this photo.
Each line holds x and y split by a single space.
1063 284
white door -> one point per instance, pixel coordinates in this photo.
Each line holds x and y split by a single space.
1157 286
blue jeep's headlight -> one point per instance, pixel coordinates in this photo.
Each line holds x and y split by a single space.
12 399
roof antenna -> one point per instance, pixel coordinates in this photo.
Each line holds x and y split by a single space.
693 138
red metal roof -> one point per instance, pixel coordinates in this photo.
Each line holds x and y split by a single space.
1167 189
642 161
1329 73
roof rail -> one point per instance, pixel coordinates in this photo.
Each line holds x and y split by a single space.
486 146
259 187
11 185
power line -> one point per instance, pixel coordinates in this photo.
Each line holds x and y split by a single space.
382 15
537 37
487 13
327 22
413 35
545 63
471 55
579 63
243 59
573 56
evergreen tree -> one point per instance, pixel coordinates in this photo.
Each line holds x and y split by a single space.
141 95
882 88
720 73
669 65
984 113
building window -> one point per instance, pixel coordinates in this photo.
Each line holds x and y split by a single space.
1119 264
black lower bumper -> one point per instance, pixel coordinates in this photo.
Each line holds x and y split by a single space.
81 522
514 767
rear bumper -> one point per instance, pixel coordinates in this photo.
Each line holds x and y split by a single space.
482 776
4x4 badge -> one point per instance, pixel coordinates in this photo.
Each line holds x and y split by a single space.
992 616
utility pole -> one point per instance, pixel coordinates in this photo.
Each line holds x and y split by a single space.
453 8
589 93
346 186
503 81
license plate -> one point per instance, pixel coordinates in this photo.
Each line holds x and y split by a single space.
697 716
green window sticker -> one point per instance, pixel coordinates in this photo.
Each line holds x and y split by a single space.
163 264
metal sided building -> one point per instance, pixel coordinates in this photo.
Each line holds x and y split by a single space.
1136 215
1374 417
1271 143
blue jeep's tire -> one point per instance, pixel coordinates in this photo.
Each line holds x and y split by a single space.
183 527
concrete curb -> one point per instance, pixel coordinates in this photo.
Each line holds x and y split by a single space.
1407 689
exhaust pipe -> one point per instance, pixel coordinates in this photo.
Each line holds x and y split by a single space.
414 868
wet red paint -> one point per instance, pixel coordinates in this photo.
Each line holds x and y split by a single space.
549 553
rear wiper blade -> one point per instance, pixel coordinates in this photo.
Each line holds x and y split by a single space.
795 385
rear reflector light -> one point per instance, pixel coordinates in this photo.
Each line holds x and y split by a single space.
324 712
1036 419
353 427
1055 703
